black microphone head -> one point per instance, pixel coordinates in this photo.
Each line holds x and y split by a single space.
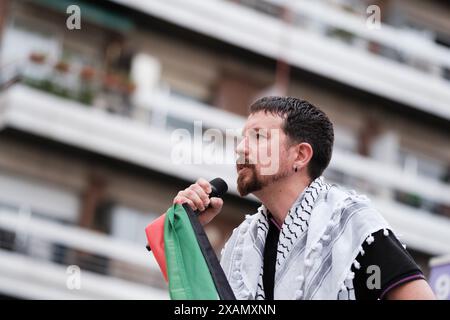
218 187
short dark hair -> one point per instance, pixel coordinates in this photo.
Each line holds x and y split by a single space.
303 122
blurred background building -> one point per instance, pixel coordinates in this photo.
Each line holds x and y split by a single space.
87 116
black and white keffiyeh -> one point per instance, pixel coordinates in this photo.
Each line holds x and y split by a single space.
319 241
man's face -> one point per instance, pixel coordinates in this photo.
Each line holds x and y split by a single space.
264 155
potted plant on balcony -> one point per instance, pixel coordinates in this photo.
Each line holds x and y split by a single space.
60 79
87 78
62 67
36 71
116 89
127 89
112 91
37 57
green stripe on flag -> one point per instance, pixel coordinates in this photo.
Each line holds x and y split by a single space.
188 273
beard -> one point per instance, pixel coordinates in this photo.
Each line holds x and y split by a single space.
249 180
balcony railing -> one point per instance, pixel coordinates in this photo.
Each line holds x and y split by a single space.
407 43
35 255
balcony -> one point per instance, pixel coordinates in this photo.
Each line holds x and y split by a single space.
314 49
147 141
35 256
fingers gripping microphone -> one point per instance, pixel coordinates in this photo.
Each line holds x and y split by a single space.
218 188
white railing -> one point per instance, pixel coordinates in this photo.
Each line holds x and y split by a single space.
33 246
417 228
404 41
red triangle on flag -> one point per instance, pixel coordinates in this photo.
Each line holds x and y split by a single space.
155 238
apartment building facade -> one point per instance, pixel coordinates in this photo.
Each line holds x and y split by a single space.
88 119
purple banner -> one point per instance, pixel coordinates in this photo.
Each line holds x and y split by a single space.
440 279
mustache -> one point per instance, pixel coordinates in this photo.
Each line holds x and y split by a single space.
242 162
241 166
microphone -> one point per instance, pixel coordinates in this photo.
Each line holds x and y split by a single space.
218 188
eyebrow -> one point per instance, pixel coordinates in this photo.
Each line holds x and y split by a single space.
256 129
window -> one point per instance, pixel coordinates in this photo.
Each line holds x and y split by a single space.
129 223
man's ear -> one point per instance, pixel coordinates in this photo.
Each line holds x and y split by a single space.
304 155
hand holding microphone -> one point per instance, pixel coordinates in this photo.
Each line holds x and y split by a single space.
203 197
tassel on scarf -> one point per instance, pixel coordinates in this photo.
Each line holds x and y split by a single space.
308 263
325 237
350 276
370 239
361 250
298 294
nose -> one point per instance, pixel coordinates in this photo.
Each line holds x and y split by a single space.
242 147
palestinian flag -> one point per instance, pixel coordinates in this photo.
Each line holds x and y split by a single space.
186 258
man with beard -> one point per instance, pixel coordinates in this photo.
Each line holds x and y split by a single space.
308 239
